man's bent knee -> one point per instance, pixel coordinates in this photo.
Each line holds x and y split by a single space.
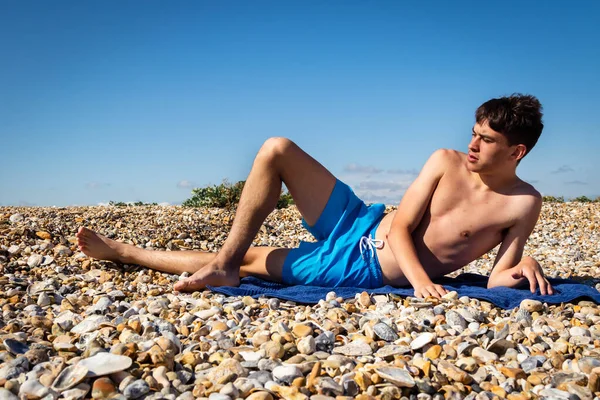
275 147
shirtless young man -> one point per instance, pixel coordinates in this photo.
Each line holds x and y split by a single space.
460 207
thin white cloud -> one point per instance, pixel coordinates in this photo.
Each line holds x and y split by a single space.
563 169
96 185
354 168
370 197
382 186
185 184
400 171
576 182
387 189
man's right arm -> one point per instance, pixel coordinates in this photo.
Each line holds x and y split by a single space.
407 218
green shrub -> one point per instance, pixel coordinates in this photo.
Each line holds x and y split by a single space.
552 199
226 195
285 200
583 199
136 204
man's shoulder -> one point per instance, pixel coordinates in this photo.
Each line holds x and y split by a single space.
447 156
526 192
527 200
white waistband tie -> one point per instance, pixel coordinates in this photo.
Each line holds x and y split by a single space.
369 244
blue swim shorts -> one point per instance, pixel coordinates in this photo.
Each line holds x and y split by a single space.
338 259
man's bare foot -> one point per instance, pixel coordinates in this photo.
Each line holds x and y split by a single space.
97 246
209 275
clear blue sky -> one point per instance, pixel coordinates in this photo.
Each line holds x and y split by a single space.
142 100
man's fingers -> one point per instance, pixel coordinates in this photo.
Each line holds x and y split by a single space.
545 286
532 281
440 289
542 283
434 292
431 291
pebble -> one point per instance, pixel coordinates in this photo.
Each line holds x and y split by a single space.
422 340
32 389
307 345
103 388
396 376
354 349
69 377
531 305
16 218
35 260
15 347
287 373
7 395
105 364
385 332
136 389
63 313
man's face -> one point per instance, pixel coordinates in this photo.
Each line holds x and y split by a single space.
488 150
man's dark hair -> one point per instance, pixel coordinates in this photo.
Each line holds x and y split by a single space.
518 117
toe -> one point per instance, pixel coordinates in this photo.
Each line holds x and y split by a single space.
85 232
181 285
188 285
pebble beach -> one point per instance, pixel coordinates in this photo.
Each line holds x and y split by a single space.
73 327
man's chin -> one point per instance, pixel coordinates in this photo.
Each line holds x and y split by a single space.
473 167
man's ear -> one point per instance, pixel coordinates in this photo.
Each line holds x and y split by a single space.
519 152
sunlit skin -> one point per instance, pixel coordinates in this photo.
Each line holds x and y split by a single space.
460 207
477 202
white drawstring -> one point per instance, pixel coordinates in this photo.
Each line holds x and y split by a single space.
368 243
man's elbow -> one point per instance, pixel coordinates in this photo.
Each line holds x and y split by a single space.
499 278
491 284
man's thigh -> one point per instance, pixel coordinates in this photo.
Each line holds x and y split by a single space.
264 262
309 182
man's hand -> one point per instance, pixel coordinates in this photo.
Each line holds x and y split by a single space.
429 289
532 270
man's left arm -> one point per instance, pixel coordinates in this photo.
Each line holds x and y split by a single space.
511 269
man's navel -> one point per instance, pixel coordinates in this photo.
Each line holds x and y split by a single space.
465 234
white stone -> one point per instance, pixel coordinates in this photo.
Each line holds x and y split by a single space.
397 376
484 355
7 395
32 388
105 363
14 249
353 349
16 218
307 345
34 260
422 340
89 324
286 373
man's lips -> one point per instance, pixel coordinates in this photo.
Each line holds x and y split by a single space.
472 157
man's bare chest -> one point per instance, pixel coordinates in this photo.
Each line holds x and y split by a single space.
460 216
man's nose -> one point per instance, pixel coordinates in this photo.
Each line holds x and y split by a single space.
474 145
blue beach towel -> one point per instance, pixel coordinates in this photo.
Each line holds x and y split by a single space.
466 284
